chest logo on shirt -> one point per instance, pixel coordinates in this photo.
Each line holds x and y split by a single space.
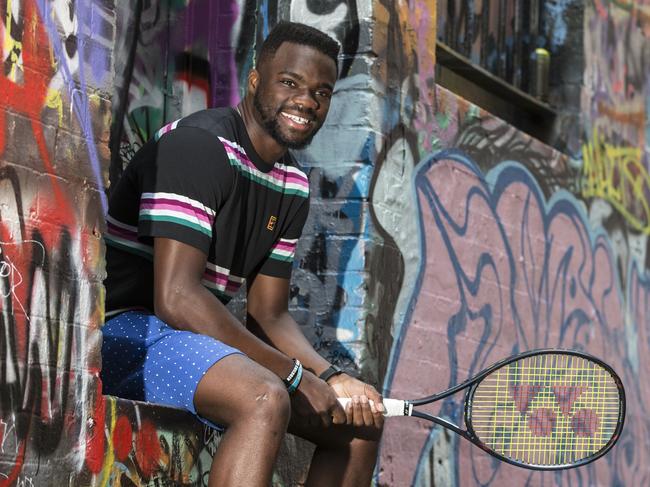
271 224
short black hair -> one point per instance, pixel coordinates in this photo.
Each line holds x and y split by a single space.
298 34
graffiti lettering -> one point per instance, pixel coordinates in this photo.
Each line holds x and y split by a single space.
618 175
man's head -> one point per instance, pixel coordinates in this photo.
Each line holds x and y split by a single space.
300 34
293 83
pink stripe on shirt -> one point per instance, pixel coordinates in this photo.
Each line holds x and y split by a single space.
182 208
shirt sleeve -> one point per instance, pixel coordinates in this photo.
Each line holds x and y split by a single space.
185 188
279 261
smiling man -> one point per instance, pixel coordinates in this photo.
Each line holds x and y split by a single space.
214 201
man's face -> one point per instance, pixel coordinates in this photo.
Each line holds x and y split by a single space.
293 94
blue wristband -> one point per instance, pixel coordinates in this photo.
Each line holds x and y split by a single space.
296 380
294 371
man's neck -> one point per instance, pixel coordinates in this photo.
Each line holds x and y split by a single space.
267 147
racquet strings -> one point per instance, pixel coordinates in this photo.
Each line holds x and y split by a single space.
546 410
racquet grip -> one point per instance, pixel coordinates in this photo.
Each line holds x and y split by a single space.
393 407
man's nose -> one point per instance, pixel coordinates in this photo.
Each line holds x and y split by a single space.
306 100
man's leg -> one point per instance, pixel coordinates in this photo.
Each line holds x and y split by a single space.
253 403
345 455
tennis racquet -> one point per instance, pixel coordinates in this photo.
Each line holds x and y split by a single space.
542 409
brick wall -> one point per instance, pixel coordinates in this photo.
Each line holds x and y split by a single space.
55 88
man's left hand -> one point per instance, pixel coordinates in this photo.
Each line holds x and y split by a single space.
365 407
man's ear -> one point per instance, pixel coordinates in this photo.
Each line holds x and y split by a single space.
253 80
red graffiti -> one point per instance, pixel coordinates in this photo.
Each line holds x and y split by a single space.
148 449
28 98
122 438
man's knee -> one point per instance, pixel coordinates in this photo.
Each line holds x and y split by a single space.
260 398
239 391
270 401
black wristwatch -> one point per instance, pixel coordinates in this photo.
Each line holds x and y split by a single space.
330 372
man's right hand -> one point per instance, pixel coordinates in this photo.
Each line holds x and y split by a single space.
316 400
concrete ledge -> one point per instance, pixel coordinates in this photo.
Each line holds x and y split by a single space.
150 444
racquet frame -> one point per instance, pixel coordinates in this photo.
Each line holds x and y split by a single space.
474 382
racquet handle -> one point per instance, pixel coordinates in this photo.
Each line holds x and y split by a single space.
392 407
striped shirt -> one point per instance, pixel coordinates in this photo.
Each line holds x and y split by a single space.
199 181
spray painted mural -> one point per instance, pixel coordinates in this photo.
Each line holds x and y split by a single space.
538 257
54 116
145 445
533 260
501 248
505 270
505 259
50 224
616 106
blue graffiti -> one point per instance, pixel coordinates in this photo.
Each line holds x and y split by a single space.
78 93
524 273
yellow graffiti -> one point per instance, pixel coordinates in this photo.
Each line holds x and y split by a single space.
11 46
109 458
617 175
54 100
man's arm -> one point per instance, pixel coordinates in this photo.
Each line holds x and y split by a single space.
268 317
181 301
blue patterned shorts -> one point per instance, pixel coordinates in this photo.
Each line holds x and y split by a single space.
144 359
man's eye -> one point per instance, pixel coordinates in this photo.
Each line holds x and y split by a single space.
288 82
324 94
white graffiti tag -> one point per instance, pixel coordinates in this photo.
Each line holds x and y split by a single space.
8 432
10 276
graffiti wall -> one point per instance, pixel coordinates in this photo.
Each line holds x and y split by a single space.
616 102
506 245
54 114
440 238
506 268
146 445
55 426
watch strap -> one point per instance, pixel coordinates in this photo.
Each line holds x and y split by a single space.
330 372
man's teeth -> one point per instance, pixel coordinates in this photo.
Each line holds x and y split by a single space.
295 118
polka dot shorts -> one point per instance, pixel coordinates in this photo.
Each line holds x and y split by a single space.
144 359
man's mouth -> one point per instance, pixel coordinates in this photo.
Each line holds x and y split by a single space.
300 122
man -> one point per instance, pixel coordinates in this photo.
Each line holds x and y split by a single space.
213 201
